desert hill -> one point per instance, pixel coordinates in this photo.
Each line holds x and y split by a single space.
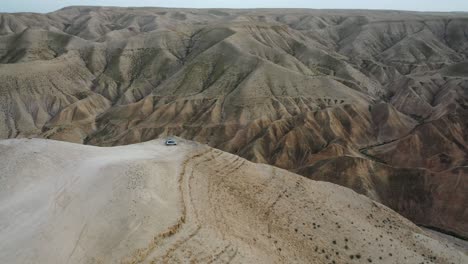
148 203
372 100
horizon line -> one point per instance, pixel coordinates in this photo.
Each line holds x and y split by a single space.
237 8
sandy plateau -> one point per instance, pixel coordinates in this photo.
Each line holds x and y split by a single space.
149 203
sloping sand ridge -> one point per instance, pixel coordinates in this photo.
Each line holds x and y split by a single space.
148 203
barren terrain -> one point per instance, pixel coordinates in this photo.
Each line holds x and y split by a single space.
371 100
148 203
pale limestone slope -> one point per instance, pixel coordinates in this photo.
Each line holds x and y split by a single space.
148 203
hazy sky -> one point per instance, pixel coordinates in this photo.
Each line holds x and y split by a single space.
419 5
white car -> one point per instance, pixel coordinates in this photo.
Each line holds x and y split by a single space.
171 142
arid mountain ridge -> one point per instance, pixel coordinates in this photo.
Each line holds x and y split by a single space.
371 100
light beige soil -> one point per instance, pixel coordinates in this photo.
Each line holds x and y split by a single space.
148 203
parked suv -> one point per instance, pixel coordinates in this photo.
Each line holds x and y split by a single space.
171 142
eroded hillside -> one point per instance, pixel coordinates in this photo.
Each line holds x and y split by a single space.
372 100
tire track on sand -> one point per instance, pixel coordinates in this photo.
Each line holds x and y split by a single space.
186 189
141 255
